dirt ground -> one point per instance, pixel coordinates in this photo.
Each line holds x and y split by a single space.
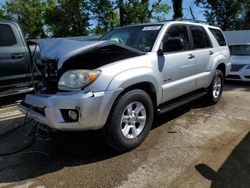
196 146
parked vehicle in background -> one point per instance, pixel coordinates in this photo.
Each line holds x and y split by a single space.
240 59
121 82
14 60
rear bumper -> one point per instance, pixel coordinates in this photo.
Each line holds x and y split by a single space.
94 108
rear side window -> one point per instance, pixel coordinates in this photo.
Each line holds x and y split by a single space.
7 37
200 37
218 36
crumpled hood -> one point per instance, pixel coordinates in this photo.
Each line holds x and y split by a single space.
61 50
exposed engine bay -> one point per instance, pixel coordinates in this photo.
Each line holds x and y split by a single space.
61 55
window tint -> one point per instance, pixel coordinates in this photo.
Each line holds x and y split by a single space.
176 39
243 50
218 36
7 37
200 37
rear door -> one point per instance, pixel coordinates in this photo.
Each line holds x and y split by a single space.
14 66
204 54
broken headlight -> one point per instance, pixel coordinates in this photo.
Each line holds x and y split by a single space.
77 79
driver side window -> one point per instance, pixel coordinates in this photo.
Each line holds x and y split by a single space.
176 39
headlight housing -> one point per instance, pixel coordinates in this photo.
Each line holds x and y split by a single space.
77 79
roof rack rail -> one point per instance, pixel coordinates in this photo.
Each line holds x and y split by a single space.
4 20
190 20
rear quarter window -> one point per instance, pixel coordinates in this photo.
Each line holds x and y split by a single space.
218 36
200 37
7 37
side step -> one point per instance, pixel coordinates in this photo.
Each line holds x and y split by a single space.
175 103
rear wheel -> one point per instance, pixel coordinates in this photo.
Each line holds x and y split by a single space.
216 87
130 120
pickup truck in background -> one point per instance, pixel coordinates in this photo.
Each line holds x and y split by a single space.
15 60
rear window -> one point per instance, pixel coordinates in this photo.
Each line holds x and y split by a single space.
240 50
7 37
218 36
200 37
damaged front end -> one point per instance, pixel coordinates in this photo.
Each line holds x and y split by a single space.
61 55
48 77
66 68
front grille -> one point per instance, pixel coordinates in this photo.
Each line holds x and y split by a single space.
247 77
236 67
233 77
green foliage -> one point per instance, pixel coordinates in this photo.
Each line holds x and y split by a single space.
60 18
1 13
246 14
160 11
105 14
29 14
67 18
135 11
177 7
227 14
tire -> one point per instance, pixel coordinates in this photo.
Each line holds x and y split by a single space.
126 129
216 88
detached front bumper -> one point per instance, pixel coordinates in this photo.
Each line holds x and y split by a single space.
93 108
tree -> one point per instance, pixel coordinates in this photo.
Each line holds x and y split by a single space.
67 17
1 13
177 7
105 13
28 13
246 13
226 14
135 11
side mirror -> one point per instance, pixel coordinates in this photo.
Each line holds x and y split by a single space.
173 45
30 42
160 52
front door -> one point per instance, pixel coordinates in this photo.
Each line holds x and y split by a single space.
178 63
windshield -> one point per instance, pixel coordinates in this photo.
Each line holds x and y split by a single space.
240 49
139 37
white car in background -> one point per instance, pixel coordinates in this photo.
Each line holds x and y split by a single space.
240 59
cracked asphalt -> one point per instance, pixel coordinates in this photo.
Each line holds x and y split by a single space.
196 146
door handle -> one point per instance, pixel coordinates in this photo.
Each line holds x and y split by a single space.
17 56
211 52
191 56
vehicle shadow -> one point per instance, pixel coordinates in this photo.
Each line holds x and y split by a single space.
63 149
235 171
236 85
52 154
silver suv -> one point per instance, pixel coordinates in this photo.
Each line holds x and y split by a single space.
121 82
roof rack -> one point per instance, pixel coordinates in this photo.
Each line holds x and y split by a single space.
3 20
190 20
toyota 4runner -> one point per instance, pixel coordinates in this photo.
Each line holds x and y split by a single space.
121 82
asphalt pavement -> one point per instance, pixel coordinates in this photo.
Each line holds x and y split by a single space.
195 146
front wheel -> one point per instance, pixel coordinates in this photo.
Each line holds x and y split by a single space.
130 120
216 87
